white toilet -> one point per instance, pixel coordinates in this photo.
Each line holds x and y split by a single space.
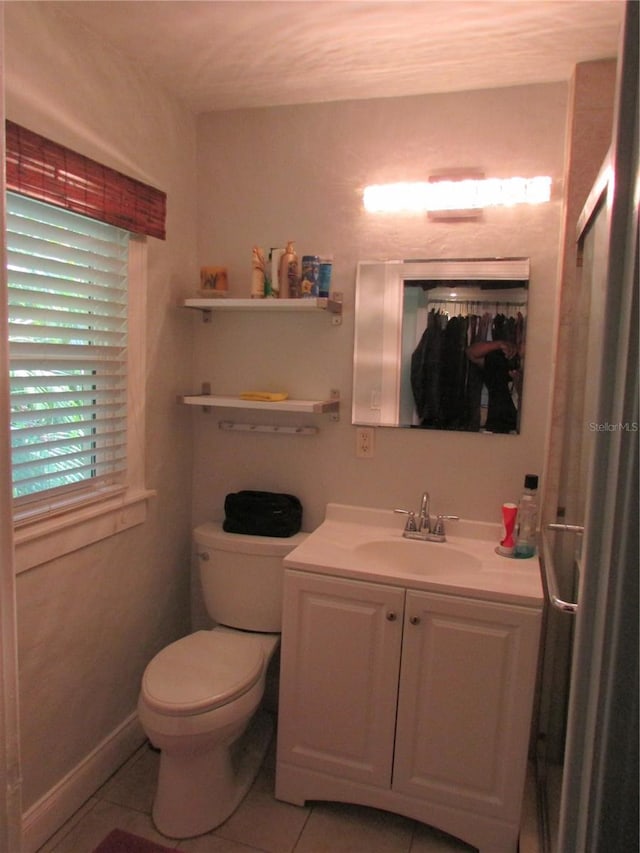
200 695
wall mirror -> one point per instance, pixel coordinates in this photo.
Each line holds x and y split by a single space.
440 344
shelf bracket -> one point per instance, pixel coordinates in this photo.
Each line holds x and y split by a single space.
205 390
334 396
334 306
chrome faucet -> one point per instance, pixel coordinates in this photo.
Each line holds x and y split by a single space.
420 527
424 522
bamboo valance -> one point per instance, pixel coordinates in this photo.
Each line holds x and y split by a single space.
44 170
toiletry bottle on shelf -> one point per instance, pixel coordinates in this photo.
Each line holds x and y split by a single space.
257 273
324 280
310 276
273 271
289 273
527 518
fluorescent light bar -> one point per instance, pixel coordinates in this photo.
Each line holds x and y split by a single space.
423 196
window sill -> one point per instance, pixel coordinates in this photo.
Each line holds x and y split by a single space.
46 539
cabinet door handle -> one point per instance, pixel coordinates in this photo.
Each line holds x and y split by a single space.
391 615
415 620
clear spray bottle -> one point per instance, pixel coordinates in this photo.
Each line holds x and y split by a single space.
527 518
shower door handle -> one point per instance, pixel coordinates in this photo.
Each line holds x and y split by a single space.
549 568
565 528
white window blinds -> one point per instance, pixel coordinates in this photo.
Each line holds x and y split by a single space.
67 279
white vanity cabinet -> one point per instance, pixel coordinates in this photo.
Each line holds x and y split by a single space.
340 662
407 700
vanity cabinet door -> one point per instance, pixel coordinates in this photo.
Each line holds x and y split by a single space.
339 672
465 699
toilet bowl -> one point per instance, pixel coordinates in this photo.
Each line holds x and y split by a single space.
200 697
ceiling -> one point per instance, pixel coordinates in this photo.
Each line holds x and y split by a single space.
228 54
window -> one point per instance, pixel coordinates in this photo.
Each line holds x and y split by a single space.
76 273
67 280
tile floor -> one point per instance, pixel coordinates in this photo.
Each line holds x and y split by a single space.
261 824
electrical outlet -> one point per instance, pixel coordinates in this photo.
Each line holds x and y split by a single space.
364 442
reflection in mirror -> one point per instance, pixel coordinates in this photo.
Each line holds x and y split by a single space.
440 344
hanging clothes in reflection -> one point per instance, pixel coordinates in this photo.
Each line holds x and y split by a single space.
466 371
426 372
454 371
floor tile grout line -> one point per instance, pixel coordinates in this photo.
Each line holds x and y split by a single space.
71 824
302 829
115 802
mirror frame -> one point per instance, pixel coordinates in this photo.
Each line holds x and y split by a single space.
380 379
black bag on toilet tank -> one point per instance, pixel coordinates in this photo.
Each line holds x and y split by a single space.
262 514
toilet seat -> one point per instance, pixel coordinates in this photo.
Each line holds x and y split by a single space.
201 672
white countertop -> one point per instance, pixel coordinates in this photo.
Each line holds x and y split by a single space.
367 544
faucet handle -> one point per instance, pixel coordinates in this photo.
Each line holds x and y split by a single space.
438 529
410 526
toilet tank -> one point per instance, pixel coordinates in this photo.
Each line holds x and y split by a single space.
242 576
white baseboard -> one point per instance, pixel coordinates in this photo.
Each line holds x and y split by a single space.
46 816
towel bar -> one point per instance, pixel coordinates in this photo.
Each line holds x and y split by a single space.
549 568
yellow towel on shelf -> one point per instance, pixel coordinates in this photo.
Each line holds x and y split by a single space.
264 396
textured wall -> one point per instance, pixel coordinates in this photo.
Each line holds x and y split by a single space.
89 622
271 175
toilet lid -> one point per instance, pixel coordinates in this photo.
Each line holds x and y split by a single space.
202 671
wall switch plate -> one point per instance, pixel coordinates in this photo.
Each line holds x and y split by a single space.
365 442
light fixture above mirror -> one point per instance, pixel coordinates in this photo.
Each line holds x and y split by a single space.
456 195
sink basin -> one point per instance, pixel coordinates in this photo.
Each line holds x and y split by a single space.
415 557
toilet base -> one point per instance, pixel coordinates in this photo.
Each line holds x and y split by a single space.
196 793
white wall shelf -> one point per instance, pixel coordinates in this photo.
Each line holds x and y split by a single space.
332 305
206 400
214 401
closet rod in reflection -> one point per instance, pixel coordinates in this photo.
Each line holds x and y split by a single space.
461 309
477 302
